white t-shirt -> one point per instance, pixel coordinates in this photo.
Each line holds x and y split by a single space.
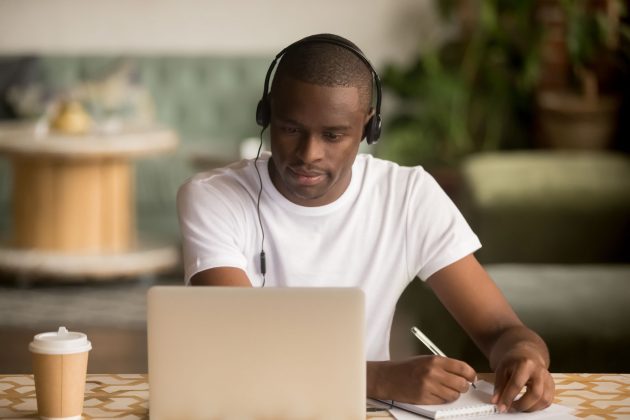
391 224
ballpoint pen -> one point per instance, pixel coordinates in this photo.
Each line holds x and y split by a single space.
429 344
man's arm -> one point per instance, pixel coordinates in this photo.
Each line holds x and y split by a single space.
221 276
518 355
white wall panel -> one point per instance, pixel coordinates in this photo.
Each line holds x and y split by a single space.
384 29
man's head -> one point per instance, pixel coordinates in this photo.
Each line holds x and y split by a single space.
325 63
319 103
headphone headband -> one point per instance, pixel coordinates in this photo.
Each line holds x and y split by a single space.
372 129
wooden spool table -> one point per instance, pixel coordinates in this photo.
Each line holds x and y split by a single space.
73 208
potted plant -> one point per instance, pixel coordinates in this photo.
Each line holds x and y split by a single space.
580 108
473 93
470 93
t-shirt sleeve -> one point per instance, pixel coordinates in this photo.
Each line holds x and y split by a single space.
437 233
210 225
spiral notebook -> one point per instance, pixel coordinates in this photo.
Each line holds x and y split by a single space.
476 403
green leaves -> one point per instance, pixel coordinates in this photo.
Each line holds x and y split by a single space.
469 94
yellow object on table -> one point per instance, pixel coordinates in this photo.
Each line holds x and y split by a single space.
71 119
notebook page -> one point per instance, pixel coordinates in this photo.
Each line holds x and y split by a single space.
553 412
474 402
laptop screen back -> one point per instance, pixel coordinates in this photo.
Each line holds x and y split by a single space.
219 352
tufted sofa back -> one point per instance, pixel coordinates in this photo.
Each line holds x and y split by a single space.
208 98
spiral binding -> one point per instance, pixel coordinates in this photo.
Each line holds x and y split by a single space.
468 411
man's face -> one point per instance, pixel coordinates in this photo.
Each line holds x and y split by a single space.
315 136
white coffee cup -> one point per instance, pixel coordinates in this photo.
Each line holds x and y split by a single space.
60 367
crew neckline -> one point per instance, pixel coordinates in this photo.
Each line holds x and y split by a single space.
276 196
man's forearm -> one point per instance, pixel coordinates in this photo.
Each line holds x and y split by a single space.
518 341
375 380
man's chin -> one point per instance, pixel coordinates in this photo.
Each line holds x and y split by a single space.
307 196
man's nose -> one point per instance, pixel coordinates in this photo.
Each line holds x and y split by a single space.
310 149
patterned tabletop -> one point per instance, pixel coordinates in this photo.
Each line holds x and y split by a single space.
592 396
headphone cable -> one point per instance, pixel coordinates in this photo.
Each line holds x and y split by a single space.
263 263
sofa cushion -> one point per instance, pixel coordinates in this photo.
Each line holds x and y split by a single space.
549 207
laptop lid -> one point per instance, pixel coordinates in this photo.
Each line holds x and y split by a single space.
227 352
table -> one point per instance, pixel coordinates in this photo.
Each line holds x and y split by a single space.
592 396
73 209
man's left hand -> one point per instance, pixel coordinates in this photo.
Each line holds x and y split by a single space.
517 370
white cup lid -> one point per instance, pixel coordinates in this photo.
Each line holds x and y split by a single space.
60 342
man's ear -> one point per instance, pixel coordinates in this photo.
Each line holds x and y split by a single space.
366 123
369 115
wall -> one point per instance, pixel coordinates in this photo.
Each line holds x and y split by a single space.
386 30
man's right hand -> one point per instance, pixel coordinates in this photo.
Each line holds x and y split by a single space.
419 380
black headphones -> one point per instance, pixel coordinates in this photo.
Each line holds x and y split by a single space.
372 129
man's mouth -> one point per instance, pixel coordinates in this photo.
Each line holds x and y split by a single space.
306 178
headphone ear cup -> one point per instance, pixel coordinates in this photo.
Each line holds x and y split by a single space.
372 130
376 129
262 112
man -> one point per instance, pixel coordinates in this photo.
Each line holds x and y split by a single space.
326 216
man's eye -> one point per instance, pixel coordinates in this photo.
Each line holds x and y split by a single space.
290 130
332 136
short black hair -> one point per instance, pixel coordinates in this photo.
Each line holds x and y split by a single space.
326 64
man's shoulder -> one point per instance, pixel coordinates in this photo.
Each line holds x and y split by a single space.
375 168
228 179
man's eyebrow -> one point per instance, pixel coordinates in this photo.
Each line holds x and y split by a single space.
337 128
288 121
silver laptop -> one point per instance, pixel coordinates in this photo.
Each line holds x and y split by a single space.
242 353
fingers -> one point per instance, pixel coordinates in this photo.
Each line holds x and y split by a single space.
439 393
539 394
452 378
499 383
513 386
436 379
460 369
510 382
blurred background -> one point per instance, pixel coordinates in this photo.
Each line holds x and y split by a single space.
519 110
